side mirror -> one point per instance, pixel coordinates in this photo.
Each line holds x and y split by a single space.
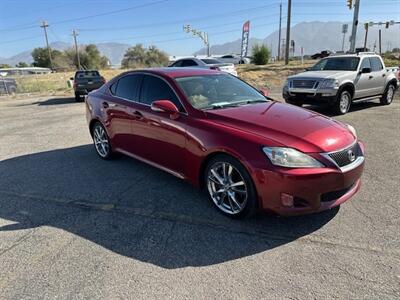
72 78
366 70
307 69
164 106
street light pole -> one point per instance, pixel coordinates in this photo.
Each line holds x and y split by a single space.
74 34
354 27
288 32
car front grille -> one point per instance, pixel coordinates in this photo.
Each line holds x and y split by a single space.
347 156
304 84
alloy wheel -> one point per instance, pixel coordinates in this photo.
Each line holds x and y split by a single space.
344 102
227 188
101 141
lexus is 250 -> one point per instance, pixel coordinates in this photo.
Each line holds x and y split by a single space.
220 134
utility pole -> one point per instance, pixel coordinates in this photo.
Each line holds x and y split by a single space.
280 26
44 26
380 41
288 32
366 36
354 28
74 34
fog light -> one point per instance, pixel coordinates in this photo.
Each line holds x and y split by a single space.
287 200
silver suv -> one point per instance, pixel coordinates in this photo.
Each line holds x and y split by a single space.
342 80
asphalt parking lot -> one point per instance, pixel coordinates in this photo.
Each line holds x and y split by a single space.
74 226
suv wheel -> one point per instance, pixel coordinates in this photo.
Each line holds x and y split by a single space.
388 96
343 103
230 187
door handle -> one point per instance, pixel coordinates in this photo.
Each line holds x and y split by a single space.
370 77
105 105
138 115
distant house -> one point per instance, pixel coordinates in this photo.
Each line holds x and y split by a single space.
25 71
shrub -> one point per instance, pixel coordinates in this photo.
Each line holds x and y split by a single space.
261 55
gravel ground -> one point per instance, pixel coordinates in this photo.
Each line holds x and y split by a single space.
74 226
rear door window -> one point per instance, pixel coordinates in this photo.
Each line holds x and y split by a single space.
128 87
154 88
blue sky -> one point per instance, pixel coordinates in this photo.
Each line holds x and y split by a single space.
160 22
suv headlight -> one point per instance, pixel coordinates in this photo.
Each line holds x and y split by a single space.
329 83
290 158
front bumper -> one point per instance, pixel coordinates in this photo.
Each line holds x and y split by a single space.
313 190
310 96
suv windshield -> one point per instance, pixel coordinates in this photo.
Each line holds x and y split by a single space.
218 91
336 63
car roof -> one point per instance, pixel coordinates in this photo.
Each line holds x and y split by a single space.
173 72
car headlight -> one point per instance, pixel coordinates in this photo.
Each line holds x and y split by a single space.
329 83
290 158
352 130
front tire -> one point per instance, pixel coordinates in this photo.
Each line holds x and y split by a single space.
230 187
388 96
343 103
101 141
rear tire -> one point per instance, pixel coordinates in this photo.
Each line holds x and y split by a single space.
388 95
343 102
230 187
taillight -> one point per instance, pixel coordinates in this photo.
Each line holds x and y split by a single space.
74 84
103 80
215 68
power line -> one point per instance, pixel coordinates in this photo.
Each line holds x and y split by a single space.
90 16
181 20
21 39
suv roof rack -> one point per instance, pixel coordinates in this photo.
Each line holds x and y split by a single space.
366 53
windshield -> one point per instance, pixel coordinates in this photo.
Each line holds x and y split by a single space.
336 63
218 91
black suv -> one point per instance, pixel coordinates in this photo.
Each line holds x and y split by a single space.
86 81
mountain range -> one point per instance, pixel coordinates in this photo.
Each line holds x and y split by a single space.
312 36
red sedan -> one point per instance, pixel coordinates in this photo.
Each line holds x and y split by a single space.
219 133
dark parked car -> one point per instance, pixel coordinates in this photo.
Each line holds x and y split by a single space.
207 63
322 54
217 132
7 86
86 81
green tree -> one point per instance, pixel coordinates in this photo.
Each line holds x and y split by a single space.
261 55
21 64
4 66
91 58
41 59
138 57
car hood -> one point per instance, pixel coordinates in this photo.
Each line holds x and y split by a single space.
321 74
286 125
